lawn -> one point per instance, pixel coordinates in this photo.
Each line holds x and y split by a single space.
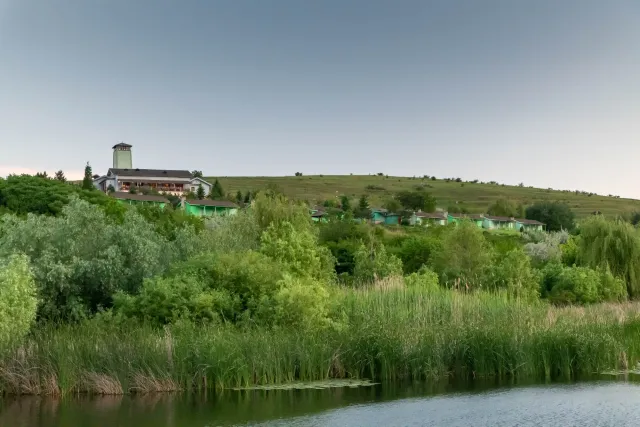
475 197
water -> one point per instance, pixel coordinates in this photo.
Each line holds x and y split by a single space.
583 404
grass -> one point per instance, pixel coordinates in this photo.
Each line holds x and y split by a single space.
475 197
387 333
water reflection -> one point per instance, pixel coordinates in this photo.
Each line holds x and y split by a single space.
478 403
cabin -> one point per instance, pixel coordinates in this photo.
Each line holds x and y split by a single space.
319 215
208 207
122 177
492 222
477 219
378 215
428 218
529 225
141 199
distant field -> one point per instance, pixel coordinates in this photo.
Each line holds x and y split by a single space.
475 197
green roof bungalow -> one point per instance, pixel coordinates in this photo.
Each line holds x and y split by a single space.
528 225
140 199
477 219
492 222
210 207
391 218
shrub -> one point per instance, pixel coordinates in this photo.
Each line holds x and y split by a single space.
80 258
576 285
424 278
301 302
465 255
570 251
373 263
18 302
417 251
298 251
514 273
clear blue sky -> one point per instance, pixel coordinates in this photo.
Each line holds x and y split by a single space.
543 92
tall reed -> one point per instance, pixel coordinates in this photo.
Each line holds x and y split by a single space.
387 333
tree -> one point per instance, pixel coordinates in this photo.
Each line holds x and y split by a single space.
345 203
200 194
507 208
196 174
42 175
247 197
393 206
373 262
363 210
87 181
217 193
239 197
612 245
465 256
18 301
417 200
111 189
557 216
60 176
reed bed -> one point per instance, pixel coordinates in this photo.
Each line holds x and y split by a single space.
386 333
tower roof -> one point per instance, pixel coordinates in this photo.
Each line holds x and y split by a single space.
122 145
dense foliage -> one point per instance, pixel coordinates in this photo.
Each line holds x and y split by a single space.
555 215
18 300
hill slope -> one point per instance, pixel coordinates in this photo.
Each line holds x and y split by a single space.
475 197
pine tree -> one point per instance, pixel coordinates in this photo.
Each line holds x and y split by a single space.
239 197
60 176
363 203
247 197
200 194
87 181
217 193
42 175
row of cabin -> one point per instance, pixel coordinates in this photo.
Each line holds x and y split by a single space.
204 207
489 222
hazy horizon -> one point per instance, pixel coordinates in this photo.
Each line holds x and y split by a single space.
543 93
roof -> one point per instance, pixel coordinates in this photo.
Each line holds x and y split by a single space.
123 145
154 173
139 197
436 215
380 210
529 221
467 216
215 203
500 218
318 214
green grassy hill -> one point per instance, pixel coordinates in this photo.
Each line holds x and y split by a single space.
475 197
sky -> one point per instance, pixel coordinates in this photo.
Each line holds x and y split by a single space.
542 92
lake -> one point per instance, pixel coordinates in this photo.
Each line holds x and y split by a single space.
603 403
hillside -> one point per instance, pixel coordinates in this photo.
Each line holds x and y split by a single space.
475 197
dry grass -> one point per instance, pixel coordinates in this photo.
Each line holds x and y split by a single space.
149 383
95 383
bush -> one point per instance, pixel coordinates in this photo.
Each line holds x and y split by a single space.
302 303
374 263
424 278
514 274
465 255
570 251
81 258
18 302
417 251
576 285
298 251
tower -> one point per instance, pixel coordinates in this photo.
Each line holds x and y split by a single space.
122 156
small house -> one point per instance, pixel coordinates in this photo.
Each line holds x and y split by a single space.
378 215
141 199
318 215
428 218
208 207
477 219
529 225
492 222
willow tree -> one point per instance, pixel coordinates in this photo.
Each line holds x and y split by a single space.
614 245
